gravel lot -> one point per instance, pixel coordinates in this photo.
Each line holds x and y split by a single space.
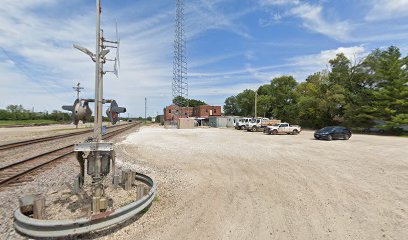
229 184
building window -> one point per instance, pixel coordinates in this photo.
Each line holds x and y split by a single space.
206 110
169 110
215 110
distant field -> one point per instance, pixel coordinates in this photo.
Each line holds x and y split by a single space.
26 122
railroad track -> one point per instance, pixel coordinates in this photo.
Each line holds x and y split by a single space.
23 170
9 146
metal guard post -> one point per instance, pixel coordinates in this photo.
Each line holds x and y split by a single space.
70 227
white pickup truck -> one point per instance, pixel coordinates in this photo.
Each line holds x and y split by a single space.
259 124
241 123
282 128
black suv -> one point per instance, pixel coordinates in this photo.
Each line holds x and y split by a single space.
330 133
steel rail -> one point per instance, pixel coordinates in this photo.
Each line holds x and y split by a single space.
45 139
71 227
10 179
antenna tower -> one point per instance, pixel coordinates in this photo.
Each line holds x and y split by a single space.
180 84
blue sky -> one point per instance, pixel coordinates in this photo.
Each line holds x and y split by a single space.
231 45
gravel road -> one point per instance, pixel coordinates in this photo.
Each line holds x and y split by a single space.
229 184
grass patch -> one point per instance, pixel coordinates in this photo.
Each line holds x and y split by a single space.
27 122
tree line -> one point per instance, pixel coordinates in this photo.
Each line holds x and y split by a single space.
184 102
348 93
18 112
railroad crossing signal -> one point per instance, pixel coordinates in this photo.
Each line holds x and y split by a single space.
79 112
113 112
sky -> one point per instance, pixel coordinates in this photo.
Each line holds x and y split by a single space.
232 45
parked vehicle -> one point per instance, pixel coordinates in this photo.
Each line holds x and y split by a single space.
241 123
259 124
335 132
374 130
283 128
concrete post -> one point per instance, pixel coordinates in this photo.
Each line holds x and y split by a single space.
139 192
39 208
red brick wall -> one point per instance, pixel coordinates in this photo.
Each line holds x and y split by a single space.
169 111
206 111
203 111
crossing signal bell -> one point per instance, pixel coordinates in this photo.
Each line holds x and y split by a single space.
113 112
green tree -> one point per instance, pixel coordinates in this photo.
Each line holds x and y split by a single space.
180 101
195 103
353 77
389 73
184 102
283 97
231 106
246 102
263 105
320 101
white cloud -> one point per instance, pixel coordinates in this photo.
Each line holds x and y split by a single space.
48 65
321 59
204 15
273 18
312 17
313 20
300 67
387 9
279 2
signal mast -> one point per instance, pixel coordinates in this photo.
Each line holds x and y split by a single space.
98 153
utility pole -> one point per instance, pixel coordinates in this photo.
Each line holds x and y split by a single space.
98 106
97 187
78 89
256 95
145 108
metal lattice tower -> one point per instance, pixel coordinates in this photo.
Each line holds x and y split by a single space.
180 84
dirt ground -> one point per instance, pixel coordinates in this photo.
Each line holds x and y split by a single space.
229 184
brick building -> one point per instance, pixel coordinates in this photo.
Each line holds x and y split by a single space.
169 111
203 111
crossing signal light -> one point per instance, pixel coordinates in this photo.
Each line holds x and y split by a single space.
113 112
